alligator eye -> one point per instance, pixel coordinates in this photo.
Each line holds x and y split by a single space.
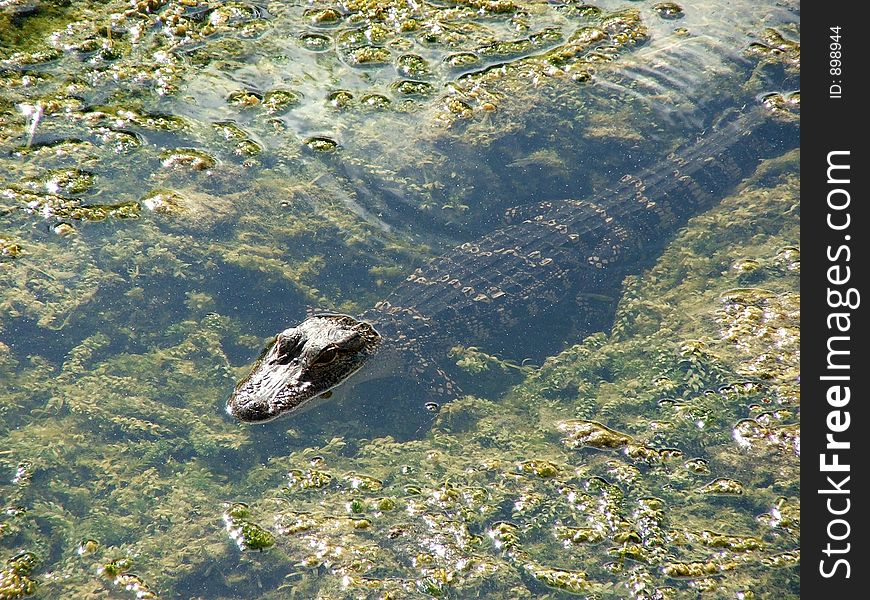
326 357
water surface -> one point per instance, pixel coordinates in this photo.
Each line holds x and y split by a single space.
180 179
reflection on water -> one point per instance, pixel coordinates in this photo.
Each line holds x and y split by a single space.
181 179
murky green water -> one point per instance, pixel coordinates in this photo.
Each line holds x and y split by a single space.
180 179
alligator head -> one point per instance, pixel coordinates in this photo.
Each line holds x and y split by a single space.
302 363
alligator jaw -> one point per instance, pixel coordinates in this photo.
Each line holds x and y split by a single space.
303 363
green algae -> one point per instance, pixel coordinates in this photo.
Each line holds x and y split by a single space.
9 249
413 65
592 476
50 205
316 42
244 99
187 158
375 101
64 181
14 577
308 479
401 48
776 47
340 98
461 60
245 533
410 88
368 55
321 144
115 567
278 101
668 10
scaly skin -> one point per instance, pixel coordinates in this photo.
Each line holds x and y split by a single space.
508 283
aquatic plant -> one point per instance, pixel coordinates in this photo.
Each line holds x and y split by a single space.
167 161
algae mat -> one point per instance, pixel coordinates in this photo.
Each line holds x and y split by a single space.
181 178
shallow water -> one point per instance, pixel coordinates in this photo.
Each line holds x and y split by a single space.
181 179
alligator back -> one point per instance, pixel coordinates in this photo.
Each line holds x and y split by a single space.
505 285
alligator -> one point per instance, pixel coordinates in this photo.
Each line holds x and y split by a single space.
508 283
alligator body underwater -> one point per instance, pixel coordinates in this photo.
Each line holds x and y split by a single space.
509 282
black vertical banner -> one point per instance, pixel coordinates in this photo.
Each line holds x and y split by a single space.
835 461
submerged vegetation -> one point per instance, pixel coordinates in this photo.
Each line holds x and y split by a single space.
181 178
663 458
